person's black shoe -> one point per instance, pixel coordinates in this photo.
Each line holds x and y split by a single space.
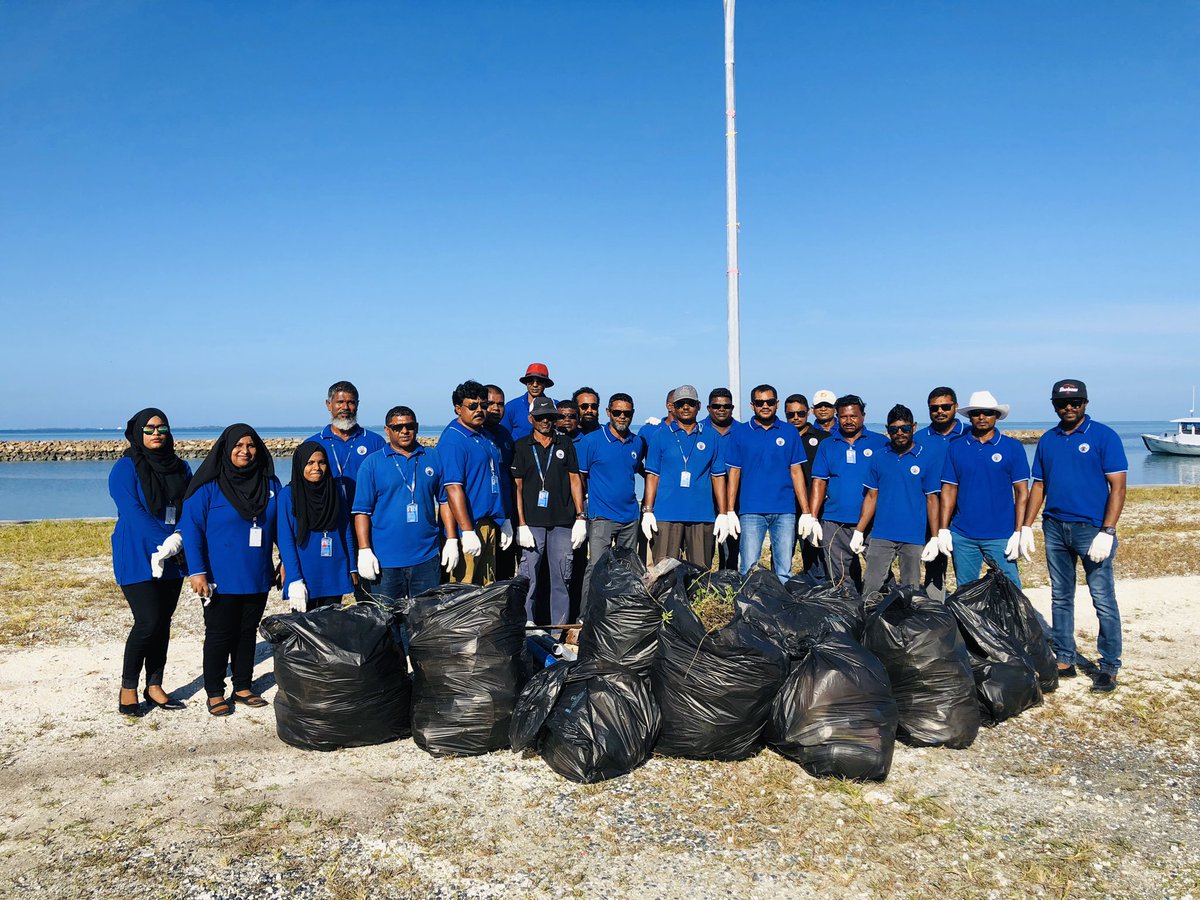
130 709
1067 672
1104 683
170 704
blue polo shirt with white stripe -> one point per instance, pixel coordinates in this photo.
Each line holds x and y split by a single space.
610 464
844 473
985 474
903 481
1074 467
387 483
346 457
765 455
470 459
936 444
500 436
672 451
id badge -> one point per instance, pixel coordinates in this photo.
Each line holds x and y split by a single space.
255 536
410 513
851 456
495 484
327 546
543 499
685 479
169 515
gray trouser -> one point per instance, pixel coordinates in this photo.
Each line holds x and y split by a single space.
880 554
843 564
694 539
604 534
553 544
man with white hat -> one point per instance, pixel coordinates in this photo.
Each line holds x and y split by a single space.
985 488
824 411
1079 470
516 411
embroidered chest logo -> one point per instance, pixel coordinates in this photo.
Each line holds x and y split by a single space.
867 453
779 442
812 442
700 445
559 454
996 457
362 451
429 471
916 470
1084 448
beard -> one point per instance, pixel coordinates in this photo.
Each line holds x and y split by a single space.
345 423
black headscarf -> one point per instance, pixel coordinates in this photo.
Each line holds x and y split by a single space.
317 506
248 490
163 475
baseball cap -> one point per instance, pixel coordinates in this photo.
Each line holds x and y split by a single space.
543 406
828 397
1069 389
685 392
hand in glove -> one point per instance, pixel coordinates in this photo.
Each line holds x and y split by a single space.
1026 543
578 534
525 537
817 534
368 564
857 542
1101 549
721 529
649 525
1013 547
168 548
471 544
506 535
731 521
298 596
450 555
945 542
929 554
805 526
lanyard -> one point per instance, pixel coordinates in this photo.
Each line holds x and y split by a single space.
549 461
337 459
686 456
411 485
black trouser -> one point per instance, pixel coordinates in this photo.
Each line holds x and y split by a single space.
152 603
728 553
230 625
317 602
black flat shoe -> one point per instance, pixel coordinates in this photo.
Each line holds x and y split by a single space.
1104 683
252 700
170 704
221 708
130 709
1067 672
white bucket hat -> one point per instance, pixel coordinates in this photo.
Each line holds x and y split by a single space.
983 400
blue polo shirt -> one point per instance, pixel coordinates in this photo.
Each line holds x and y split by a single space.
323 576
469 458
216 541
845 473
707 423
516 417
500 436
936 444
903 481
345 457
387 483
765 455
671 452
610 464
1074 467
985 474
138 531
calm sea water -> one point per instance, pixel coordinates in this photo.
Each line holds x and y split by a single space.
66 490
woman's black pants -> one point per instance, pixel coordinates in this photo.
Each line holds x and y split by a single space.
152 603
230 629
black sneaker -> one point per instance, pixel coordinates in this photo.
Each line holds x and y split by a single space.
1067 672
1104 683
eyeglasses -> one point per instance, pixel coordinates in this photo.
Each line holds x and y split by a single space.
720 406
151 429
691 403
987 413
621 413
899 429
589 405
772 402
402 426
941 407
546 418
473 406
798 414
568 416
1058 404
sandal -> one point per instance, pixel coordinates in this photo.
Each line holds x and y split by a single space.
221 708
251 700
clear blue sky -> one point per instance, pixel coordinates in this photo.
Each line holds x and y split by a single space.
220 208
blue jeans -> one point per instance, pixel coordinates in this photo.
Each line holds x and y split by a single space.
1067 543
401 582
969 555
755 528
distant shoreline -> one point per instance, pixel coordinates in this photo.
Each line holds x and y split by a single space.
92 451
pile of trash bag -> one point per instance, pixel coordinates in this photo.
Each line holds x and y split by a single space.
467 646
622 616
917 640
590 721
342 677
835 714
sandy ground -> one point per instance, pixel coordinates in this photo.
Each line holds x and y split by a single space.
1085 796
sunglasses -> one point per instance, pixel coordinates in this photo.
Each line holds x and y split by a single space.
568 416
1058 404
772 402
589 405
621 413
986 413
899 429
720 406
798 414
472 406
151 429
546 418
691 403
941 407
402 426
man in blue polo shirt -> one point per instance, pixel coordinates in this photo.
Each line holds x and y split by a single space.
901 502
824 411
493 427
346 443
685 480
471 465
654 423
985 487
608 461
944 427
765 464
516 411
721 421
401 514
1079 470
837 489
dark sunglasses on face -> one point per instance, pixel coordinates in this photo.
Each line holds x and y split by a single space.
720 406
899 429
987 413
402 426
569 416
621 413
161 429
691 403
473 405
798 414
1058 404
547 418
771 402
589 405
941 407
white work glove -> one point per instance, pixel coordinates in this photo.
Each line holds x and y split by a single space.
653 421
945 542
368 564
857 541
471 545
1026 543
450 554
506 535
525 537
578 534
1101 548
805 526
298 595
929 554
649 525
817 534
732 523
1013 548
168 548
721 529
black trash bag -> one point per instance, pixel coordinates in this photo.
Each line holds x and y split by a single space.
467 645
342 678
589 721
622 618
1006 680
789 621
840 605
996 598
835 714
917 640
714 690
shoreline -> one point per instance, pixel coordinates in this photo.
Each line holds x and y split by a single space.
98 451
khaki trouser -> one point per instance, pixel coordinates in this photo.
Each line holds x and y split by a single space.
481 569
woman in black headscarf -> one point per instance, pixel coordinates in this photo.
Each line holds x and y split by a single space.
228 531
148 484
316 543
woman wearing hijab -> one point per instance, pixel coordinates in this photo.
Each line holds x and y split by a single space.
148 484
315 542
228 530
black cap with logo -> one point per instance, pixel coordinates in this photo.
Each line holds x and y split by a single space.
1069 389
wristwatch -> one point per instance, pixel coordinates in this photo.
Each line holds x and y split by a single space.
1110 530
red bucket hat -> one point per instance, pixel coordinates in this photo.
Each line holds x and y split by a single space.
537 370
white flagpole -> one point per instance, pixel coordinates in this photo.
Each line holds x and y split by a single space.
731 224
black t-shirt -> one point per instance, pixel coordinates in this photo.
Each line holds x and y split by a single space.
558 461
811 440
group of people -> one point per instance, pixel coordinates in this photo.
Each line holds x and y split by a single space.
544 488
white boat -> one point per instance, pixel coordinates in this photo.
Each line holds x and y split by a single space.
1184 442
